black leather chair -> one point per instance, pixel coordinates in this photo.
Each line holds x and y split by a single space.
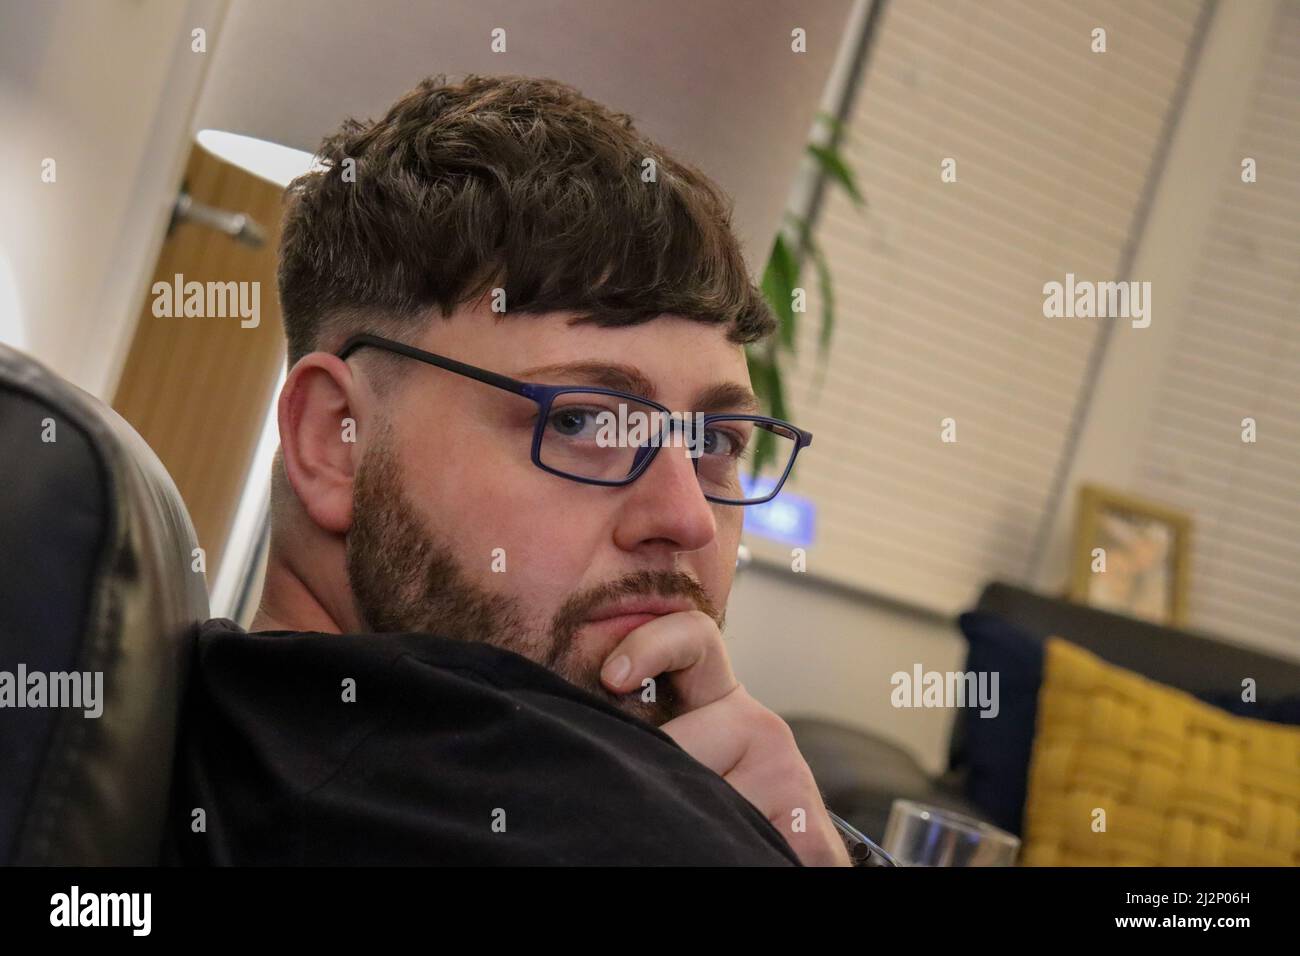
95 576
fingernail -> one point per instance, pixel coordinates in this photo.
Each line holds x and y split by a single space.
617 669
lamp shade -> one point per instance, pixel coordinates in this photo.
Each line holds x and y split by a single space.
719 83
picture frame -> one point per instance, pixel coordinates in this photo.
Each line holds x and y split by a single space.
1147 554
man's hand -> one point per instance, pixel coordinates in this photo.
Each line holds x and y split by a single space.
728 731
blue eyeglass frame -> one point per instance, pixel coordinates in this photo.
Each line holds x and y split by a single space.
545 395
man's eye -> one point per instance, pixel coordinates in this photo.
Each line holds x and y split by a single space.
570 421
719 442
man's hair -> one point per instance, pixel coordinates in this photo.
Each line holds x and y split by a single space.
505 182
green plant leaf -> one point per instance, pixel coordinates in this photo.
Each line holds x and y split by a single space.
779 279
831 120
826 290
833 165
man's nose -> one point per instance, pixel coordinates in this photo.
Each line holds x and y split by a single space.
666 507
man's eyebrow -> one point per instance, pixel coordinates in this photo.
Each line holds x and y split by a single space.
724 396
621 378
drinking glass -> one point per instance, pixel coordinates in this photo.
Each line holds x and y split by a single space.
918 834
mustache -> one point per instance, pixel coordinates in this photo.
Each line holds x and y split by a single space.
660 583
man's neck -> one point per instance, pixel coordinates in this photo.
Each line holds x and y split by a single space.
288 604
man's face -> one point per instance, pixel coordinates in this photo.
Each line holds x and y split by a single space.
456 532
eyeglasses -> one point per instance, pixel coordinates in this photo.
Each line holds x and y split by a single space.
601 436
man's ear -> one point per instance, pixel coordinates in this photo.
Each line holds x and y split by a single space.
319 418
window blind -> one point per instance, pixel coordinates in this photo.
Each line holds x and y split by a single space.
1236 356
938 286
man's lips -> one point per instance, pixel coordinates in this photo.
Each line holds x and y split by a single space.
621 618
621 625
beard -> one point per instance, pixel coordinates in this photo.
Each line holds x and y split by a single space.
405 579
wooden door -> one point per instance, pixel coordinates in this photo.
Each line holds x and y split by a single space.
197 388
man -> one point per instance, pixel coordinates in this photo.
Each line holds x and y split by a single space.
489 633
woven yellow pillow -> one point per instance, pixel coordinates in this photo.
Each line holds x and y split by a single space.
1173 781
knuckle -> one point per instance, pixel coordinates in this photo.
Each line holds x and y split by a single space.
706 639
784 755
774 729
704 627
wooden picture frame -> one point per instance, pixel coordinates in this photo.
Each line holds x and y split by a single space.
1147 556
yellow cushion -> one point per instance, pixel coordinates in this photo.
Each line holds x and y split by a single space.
1181 783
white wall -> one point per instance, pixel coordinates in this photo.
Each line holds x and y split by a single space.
809 649
106 90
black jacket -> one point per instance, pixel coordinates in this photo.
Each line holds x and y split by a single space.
452 753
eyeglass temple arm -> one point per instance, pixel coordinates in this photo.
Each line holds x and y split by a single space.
451 365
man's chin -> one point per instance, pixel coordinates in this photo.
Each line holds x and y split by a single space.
656 713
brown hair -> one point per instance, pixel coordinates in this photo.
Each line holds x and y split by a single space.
510 182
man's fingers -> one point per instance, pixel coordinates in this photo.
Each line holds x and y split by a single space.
788 796
686 644
753 749
717 736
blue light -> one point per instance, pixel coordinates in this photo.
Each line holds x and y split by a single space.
787 517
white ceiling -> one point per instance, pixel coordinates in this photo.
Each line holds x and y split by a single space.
714 81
